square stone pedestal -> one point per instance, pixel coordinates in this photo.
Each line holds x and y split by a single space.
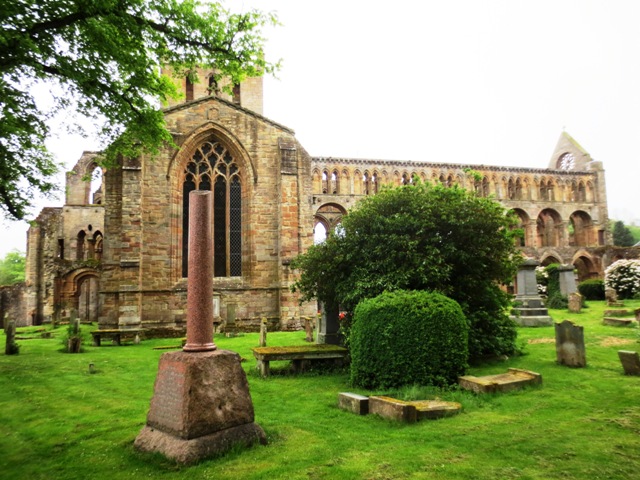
201 407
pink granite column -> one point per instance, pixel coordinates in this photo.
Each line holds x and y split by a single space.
200 280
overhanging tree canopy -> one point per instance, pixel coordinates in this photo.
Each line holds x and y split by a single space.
103 58
422 237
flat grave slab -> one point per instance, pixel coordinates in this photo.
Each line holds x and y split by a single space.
514 379
354 403
398 410
617 321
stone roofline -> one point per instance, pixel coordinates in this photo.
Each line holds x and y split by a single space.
231 105
461 166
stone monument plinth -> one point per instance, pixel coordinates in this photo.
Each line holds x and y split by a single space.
529 309
201 406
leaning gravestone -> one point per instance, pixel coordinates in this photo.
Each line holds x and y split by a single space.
201 406
529 309
630 362
570 344
11 347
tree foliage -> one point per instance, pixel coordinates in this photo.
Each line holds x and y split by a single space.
12 268
622 236
404 338
102 59
422 237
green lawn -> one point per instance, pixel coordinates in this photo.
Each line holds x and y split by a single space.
58 421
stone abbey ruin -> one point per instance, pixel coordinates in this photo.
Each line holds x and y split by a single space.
118 255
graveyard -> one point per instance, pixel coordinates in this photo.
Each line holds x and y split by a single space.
77 415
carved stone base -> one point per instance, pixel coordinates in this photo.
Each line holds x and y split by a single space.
200 407
195 449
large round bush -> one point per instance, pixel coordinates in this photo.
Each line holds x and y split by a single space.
624 277
408 337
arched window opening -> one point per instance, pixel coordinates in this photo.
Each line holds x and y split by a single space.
582 193
511 190
548 226
319 233
365 183
405 179
374 183
188 89
518 190
80 246
96 186
335 182
97 241
325 181
212 167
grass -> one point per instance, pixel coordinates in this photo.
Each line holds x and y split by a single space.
59 421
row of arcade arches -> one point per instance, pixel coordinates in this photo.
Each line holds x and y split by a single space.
506 187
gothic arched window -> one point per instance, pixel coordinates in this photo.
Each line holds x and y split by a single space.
212 165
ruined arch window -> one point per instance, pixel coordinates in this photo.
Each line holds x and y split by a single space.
335 182
325 182
98 240
366 183
188 89
80 245
374 183
213 168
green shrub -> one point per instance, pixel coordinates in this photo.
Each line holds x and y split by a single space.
408 337
555 299
592 289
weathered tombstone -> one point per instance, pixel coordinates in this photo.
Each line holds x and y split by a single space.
611 296
11 347
567 280
230 328
201 405
570 344
329 325
529 309
575 302
263 332
636 312
74 342
308 329
630 362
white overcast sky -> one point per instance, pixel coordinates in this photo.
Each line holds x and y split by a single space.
458 81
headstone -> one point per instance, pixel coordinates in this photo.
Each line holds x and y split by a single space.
529 309
636 312
263 332
567 280
308 328
575 302
611 296
201 406
74 342
11 347
570 344
329 325
630 362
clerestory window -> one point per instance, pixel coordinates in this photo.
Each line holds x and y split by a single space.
213 168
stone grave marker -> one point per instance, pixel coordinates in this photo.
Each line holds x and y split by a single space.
201 406
529 309
570 344
329 326
308 329
630 362
611 297
11 347
575 302
263 332
567 280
